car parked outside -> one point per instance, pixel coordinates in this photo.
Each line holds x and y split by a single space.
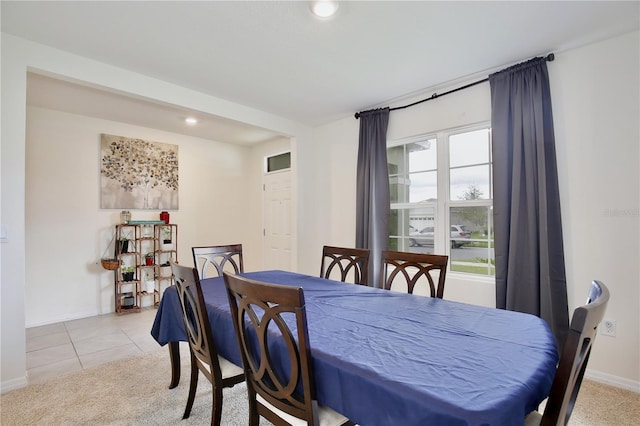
459 234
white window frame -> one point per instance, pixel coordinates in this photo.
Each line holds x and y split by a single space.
442 225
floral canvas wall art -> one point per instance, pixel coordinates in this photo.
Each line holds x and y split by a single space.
138 174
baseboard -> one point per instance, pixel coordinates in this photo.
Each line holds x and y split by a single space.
12 384
81 315
609 379
54 320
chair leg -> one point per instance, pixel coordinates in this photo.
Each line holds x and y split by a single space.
174 356
193 385
254 417
216 409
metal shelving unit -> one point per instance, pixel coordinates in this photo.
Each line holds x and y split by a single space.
137 278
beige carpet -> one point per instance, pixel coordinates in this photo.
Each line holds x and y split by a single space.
127 392
134 392
603 405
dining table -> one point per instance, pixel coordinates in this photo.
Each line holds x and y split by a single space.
387 358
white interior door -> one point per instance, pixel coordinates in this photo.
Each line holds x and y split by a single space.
278 223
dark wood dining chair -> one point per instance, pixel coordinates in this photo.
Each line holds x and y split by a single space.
282 396
204 357
211 261
574 358
413 268
345 261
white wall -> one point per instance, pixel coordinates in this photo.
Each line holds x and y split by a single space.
12 269
596 108
327 174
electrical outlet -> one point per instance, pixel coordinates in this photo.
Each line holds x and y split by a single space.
608 328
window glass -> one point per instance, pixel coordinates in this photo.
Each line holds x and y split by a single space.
472 240
470 183
423 186
413 172
422 155
470 165
469 148
411 229
279 162
397 181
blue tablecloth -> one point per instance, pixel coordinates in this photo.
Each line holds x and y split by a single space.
393 359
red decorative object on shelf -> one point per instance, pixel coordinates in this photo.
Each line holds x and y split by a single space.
164 216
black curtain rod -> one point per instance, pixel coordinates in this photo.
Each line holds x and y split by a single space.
549 58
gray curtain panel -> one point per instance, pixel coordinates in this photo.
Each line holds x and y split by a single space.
530 271
372 189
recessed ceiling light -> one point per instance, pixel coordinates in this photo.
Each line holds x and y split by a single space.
323 8
191 120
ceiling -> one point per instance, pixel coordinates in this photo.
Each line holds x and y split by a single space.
276 57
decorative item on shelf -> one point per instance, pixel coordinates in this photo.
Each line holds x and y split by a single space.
166 235
148 259
164 216
128 301
147 231
165 270
110 264
123 244
128 273
125 216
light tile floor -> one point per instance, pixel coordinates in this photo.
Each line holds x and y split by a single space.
60 348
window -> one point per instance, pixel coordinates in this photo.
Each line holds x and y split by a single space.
278 162
444 182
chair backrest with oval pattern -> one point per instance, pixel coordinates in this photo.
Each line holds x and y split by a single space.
212 261
345 264
403 270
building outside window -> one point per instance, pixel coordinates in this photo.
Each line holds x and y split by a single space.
442 197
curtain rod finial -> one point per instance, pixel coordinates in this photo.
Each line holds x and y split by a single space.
550 57
357 115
